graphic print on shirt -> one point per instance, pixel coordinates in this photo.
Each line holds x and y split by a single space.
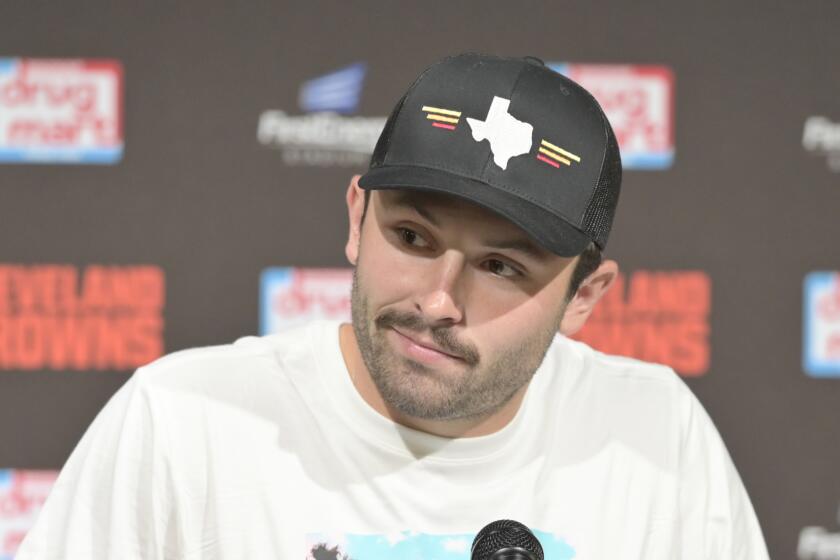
411 545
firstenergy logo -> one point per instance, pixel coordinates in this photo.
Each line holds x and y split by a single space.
656 316
327 134
821 136
818 543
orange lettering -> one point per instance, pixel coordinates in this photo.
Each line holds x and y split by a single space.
149 287
71 341
697 292
28 341
109 352
144 340
662 317
690 347
5 343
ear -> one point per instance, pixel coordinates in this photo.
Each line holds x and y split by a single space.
590 291
355 206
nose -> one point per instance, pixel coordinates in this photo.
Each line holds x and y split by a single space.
441 301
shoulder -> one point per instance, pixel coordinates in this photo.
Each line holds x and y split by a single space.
619 371
238 363
641 406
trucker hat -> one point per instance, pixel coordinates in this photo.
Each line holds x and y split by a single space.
511 135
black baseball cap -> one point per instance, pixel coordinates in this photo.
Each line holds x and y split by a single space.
511 135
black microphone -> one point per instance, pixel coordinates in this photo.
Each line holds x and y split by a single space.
506 539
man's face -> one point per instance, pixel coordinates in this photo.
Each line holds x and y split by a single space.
453 306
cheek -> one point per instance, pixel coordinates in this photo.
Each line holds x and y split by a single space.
497 327
387 275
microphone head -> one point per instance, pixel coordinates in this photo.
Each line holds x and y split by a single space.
506 539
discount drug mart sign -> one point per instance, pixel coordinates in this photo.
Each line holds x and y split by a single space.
60 111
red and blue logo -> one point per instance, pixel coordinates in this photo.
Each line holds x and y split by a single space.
61 111
821 318
291 296
639 102
22 496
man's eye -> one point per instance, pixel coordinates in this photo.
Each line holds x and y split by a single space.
501 268
410 237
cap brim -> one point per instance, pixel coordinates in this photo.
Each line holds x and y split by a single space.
549 230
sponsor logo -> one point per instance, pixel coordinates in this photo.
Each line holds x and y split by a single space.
821 136
638 101
60 111
818 543
293 296
326 135
22 495
656 316
821 332
58 317
339 91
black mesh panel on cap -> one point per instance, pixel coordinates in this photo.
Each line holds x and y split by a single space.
381 149
597 221
384 141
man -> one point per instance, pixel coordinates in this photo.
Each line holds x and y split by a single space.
451 401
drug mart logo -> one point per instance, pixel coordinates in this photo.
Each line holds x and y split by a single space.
22 495
821 340
292 296
639 102
327 134
819 543
821 136
60 111
656 316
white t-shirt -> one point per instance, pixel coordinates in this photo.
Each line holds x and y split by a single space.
264 449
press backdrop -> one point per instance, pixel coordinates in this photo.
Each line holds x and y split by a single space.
173 175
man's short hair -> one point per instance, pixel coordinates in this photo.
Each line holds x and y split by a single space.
589 261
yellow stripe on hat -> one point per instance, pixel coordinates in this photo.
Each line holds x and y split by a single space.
552 155
441 111
569 155
444 119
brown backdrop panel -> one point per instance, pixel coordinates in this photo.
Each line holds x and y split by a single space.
198 196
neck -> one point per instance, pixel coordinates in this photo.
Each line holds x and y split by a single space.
462 427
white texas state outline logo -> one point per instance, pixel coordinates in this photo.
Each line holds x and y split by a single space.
508 136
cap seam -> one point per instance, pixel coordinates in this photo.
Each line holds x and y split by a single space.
398 110
510 99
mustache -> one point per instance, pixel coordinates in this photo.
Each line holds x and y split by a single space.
442 336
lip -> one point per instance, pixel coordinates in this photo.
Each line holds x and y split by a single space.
421 350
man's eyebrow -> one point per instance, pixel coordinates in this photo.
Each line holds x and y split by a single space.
521 244
405 200
524 246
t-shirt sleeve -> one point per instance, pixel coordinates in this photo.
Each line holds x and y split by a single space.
717 518
111 498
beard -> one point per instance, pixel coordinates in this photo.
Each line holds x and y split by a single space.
479 386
